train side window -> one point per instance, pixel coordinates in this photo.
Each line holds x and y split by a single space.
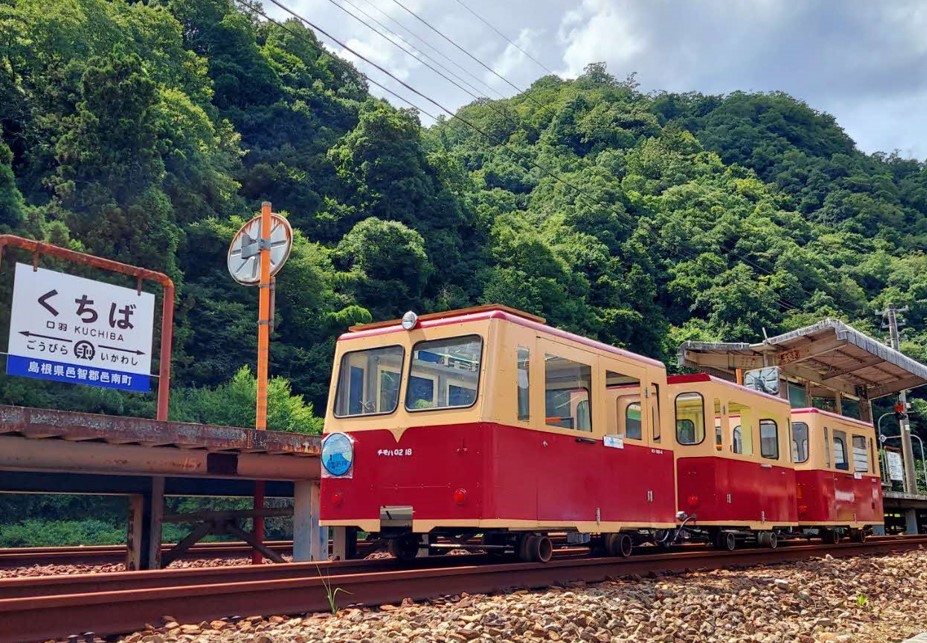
719 433
690 418
799 442
860 456
632 421
872 456
524 399
655 412
740 424
840 451
826 447
769 439
567 386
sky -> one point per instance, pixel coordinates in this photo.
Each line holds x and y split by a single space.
864 62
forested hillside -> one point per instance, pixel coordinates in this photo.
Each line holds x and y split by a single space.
148 131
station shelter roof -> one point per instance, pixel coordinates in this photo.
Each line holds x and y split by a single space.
831 355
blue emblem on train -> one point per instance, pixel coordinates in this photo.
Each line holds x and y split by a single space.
337 454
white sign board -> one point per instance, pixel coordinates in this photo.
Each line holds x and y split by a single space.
72 329
895 468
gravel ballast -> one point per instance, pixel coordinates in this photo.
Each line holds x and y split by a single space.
877 598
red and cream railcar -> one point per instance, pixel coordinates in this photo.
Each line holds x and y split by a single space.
839 484
734 472
487 421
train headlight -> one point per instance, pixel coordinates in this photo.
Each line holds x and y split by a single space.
337 454
409 320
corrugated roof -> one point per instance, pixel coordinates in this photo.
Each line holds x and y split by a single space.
830 353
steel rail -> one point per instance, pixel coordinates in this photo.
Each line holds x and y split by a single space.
114 554
232 591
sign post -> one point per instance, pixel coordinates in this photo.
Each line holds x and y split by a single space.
257 253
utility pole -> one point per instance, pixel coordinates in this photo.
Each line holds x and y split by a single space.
907 450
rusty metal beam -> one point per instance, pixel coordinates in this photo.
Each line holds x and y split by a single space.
20 454
44 423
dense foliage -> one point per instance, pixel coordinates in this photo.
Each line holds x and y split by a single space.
148 131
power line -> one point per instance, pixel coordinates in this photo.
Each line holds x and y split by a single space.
260 12
579 192
405 50
427 44
477 60
420 94
504 37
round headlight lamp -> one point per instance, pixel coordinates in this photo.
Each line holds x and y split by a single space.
337 454
409 320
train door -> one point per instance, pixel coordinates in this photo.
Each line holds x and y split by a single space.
844 483
776 471
867 485
568 446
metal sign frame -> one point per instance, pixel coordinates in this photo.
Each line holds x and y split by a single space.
38 248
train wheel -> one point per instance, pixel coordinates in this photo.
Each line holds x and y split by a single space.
542 550
535 549
830 536
404 547
726 541
619 545
858 535
773 540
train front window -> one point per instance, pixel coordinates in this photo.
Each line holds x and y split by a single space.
368 381
799 442
445 373
566 399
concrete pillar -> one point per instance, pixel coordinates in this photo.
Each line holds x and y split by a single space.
910 521
151 523
309 539
344 543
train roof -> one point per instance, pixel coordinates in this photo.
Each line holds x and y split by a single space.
705 377
492 311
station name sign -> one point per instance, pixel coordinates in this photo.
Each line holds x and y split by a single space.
71 329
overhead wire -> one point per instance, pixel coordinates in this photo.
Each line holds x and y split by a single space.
415 91
506 38
423 41
258 10
467 53
579 192
407 51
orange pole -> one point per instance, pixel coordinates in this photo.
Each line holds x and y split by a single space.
263 354
264 319
739 373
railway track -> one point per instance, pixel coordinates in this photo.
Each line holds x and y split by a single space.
115 554
34 609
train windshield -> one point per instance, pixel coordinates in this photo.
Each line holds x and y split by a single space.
368 381
445 373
